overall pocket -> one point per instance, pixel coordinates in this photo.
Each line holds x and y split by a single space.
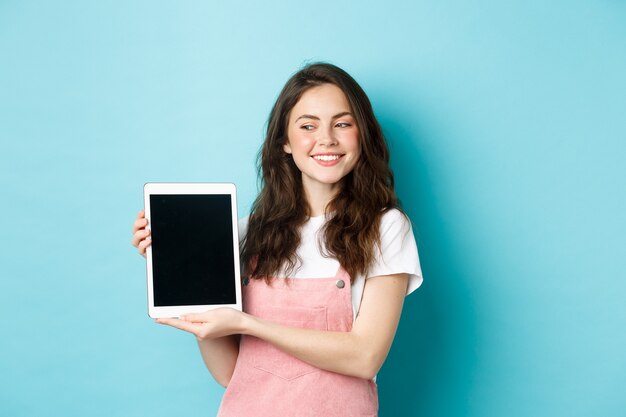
269 358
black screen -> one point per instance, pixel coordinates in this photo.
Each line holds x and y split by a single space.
192 250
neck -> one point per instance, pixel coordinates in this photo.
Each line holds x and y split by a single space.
318 196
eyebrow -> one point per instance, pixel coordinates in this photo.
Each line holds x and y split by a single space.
310 116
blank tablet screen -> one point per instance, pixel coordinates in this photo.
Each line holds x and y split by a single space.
192 250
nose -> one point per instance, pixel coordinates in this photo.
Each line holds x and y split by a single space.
327 138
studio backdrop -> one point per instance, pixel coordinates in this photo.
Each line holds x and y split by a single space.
507 127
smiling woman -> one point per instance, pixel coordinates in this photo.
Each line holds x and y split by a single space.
328 259
323 139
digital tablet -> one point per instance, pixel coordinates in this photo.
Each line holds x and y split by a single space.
193 261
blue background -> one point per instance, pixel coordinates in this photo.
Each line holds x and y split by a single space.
508 131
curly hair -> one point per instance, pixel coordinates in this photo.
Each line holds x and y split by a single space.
351 233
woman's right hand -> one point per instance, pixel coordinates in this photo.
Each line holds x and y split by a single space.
141 234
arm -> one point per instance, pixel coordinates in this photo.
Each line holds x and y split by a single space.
219 356
219 348
360 352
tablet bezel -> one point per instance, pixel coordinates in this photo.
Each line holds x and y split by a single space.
191 189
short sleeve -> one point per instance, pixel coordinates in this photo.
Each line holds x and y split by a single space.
398 250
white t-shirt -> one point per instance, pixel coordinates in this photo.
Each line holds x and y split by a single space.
398 254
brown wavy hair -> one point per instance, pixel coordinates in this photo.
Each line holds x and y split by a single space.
351 234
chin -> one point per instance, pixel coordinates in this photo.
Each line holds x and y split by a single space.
331 181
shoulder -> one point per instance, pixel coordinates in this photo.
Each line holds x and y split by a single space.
397 252
394 223
395 215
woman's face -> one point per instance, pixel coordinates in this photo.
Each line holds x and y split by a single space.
323 137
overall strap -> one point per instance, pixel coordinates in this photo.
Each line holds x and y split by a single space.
342 274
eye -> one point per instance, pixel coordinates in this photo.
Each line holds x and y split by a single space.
343 124
307 127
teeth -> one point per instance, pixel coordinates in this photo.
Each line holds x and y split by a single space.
326 157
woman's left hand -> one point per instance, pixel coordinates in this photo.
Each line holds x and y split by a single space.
211 324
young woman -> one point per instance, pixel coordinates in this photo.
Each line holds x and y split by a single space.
328 259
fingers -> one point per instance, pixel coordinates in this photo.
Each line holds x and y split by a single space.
194 318
216 314
141 240
209 324
143 245
180 324
141 222
141 234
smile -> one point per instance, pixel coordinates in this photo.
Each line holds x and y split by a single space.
326 157
327 160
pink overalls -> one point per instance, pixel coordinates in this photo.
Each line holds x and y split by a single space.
268 382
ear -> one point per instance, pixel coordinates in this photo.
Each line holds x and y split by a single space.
287 147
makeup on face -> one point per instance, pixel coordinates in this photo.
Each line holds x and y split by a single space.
323 136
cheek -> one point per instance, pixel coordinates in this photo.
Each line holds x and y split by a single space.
354 145
301 143
351 141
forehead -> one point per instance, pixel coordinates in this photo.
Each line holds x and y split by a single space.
324 100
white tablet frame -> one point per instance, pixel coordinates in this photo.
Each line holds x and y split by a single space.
181 189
